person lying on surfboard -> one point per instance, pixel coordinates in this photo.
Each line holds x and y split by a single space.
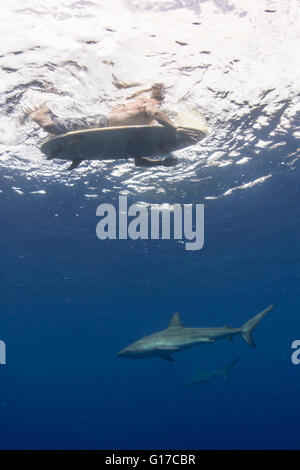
138 110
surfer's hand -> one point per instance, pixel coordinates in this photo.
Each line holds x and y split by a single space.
189 136
170 161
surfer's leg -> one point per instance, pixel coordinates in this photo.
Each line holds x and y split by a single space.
46 119
55 125
42 116
63 125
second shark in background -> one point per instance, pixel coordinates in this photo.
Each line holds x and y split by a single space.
202 375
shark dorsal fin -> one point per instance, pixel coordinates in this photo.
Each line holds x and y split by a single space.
175 321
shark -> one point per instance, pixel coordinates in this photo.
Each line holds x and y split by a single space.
206 375
176 338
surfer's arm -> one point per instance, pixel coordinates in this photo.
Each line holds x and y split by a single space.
159 116
138 93
163 119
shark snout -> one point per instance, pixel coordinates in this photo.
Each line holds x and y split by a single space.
131 351
124 353
121 353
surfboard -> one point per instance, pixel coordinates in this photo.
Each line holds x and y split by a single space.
109 143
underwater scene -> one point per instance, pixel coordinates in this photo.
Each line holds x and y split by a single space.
149 208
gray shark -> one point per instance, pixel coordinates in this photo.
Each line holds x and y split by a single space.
206 375
176 337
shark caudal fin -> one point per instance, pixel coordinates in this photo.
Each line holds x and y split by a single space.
228 368
249 326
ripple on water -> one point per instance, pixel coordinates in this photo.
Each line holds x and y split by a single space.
223 67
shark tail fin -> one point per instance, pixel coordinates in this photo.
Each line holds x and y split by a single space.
228 368
249 326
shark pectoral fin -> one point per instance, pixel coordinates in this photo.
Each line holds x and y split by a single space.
166 356
207 340
164 352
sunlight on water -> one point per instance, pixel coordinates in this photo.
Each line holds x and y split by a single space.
218 64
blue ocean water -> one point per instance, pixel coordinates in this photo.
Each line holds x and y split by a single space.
69 301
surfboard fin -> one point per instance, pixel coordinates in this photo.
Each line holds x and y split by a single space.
55 153
74 164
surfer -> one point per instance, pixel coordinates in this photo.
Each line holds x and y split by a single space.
138 110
